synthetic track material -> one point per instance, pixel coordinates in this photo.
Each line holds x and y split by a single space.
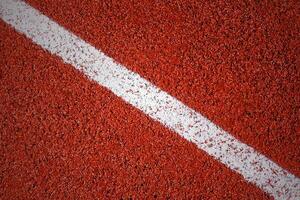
131 102
160 106
233 61
65 137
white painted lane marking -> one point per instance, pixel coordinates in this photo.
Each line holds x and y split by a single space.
253 166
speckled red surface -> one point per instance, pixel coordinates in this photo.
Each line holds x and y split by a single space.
235 62
65 137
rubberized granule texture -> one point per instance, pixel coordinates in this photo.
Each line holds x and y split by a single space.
65 137
235 62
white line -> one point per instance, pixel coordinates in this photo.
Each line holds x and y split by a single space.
253 166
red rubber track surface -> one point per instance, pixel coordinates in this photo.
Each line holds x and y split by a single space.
63 136
234 62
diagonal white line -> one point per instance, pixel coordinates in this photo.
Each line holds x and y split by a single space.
253 166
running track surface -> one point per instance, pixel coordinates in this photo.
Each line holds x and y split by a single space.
64 136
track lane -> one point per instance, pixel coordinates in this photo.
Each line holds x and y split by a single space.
233 62
128 85
70 140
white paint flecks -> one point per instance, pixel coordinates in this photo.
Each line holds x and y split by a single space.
253 166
